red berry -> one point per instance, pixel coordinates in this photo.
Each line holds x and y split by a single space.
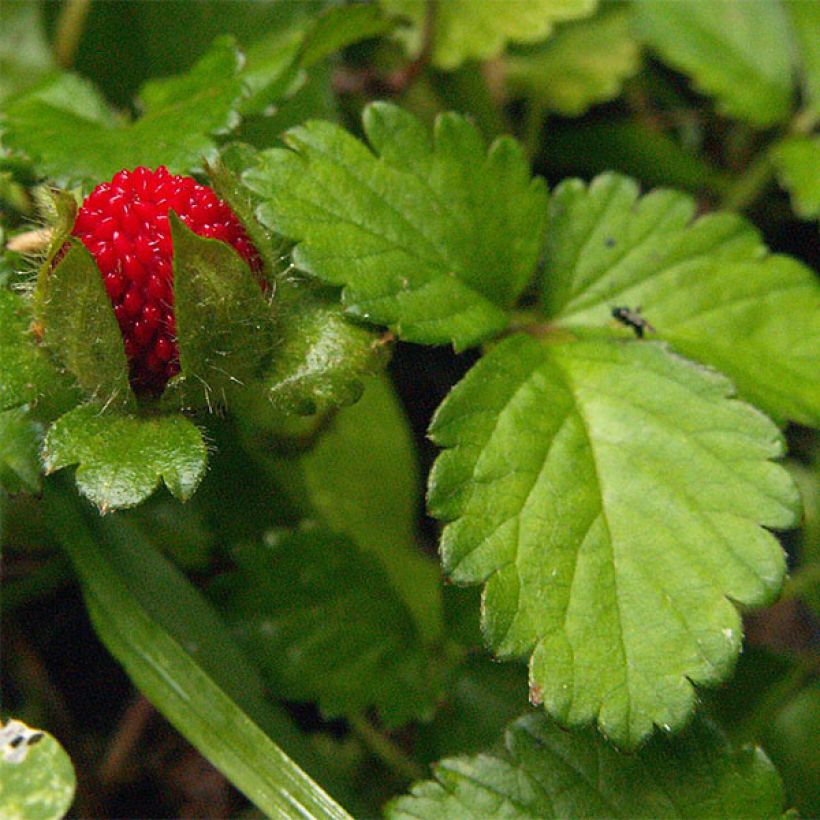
124 224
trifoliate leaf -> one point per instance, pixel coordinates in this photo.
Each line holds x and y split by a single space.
805 20
19 452
433 237
224 321
69 133
738 52
24 53
582 64
545 772
797 160
610 494
465 30
322 619
121 458
37 780
707 286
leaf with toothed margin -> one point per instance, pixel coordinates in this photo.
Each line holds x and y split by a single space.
434 237
122 458
611 495
542 771
707 285
224 322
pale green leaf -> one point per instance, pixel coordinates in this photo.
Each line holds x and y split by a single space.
37 780
706 285
410 233
25 56
805 20
582 64
613 557
122 458
797 160
19 452
543 771
320 615
468 30
735 51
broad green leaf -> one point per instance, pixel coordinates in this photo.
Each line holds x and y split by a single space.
582 64
320 616
19 452
67 130
24 53
122 458
805 20
37 780
543 771
737 52
613 558
410 233
224 322
465 30
81 330
174 648
361 478
706 285
797 160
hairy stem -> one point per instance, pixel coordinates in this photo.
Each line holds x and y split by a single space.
386 750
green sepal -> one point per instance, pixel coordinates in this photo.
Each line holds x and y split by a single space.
80 329
224 321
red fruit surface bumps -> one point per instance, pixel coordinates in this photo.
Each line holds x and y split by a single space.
124 224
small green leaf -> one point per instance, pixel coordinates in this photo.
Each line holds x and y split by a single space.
410 233
738 52
338 27
465 30
613 558
805 20
80 327
19 452
224 322
582 64
797 160
320 615
37 780
25 56
122 457
706 285
543 771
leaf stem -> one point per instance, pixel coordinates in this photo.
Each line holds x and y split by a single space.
386 750
69 30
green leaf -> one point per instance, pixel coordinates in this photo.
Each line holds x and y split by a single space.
706 285
37 780
797 160
737 52
80 327
224 321
19 452
321 617
544 772
614 558
465 30
805 20
582 64
67 130
24 53
409 234
174 648
122 457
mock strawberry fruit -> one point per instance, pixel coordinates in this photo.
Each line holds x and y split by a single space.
124 224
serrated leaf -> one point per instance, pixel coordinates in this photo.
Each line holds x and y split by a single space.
610 494
738 52
19 452
224 321
706 285
465 30
408 233
582 64
24 53
797 160
80 328
67 130
321 617
545 772
37 780
122 458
